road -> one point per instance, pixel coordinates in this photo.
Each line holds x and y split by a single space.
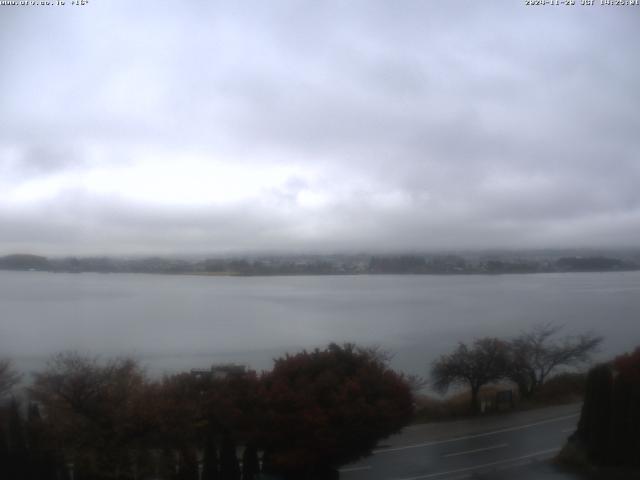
514 445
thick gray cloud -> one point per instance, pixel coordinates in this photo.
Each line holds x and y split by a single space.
222 126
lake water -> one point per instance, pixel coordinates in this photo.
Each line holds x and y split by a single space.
181 322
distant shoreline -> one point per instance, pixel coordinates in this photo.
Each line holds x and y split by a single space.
323 265
332 274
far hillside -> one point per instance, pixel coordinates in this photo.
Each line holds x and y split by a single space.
23 261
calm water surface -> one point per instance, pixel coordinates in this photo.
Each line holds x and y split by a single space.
180 322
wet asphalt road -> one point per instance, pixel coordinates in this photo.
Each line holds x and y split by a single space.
516 445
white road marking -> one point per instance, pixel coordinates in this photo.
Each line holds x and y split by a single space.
493 447
484 465
354 469
567 430
477 435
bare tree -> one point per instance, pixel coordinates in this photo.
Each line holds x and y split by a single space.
97 410
377 352
482 363
416 383
535 354
8 377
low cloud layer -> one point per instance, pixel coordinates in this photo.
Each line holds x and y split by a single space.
164 127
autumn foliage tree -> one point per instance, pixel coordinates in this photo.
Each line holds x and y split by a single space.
328 407
609 426
625 410
96 412
211 413
595 418
312 413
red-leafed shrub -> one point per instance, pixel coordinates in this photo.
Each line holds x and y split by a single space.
609 427
625 411
329 407
628 367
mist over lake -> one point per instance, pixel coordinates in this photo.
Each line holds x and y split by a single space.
181 322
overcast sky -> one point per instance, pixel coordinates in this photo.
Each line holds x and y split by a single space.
211 127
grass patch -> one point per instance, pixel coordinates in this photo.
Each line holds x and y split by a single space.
458 405
562 389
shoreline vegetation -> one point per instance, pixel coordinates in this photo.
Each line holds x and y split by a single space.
105 418
483 263
88 418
